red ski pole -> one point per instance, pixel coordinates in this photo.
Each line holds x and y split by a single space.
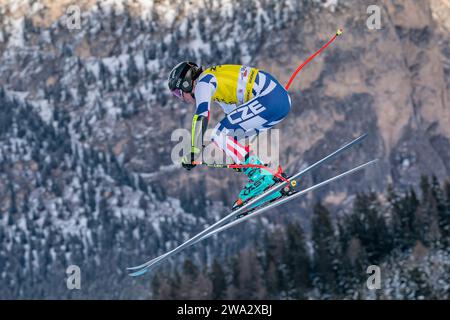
338 33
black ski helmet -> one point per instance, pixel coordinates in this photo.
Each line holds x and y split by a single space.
183 75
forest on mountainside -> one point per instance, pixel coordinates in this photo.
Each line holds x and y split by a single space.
407 236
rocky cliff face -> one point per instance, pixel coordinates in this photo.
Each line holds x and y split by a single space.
392 83
100 118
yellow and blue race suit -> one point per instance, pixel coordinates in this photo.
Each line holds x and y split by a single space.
253 101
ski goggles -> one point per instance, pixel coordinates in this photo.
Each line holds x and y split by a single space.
178 93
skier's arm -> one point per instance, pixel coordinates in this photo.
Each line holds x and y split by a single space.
204 91
199 126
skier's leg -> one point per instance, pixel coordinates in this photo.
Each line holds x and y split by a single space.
264 111
226 137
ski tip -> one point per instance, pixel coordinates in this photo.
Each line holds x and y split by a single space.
132 268
360 138
364 135
139 272
144 265
137 267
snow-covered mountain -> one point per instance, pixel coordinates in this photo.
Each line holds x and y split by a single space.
86 120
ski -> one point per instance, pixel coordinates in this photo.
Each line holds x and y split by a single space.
259 210
234 214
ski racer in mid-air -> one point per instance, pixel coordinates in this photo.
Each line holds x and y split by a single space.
253 101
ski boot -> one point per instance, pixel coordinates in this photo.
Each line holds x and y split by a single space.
259 180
